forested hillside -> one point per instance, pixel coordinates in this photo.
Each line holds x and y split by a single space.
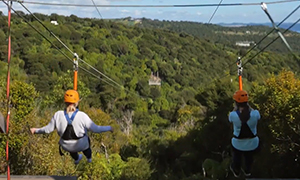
226 35
161 132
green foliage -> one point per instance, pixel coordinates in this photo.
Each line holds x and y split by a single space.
215 169
115 168
100 168
23 97
136 169
225 35
163 132
278 101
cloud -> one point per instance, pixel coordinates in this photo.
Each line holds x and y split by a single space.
159 12
125 11
63 10
137 12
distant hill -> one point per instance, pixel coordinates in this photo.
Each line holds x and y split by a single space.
296 28
235 35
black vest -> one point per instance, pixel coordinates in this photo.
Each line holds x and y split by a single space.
69 133
245 132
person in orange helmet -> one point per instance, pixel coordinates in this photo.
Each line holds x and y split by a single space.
72 126
245 140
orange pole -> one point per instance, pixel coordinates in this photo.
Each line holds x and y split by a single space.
75 80
7 88
240 83
240 69
75 71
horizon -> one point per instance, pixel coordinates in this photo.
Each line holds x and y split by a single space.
224 14
296 28
153 19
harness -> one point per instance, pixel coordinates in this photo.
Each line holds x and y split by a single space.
245 132
69 133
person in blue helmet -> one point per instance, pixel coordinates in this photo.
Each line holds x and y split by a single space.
245 141
72 126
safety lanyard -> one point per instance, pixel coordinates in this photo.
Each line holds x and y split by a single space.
72 117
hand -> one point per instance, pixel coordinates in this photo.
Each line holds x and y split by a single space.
111 129
32 130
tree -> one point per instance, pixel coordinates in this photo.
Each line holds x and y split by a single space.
278 102
23 97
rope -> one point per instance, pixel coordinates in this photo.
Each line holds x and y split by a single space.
271 32
100 73
97 9
230 66
215 11
70 59
106 26
110 34
289 15
155 6
64 54
69 48
7 89
97 76
48 29
272 41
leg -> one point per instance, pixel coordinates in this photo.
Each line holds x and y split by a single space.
236 159
74 155
235 167
248 161
77 157
88 153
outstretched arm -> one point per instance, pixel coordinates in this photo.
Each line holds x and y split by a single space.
90 125
46 129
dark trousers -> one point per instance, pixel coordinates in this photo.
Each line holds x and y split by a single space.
87 153
237 157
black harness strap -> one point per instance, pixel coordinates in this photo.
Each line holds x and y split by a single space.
69 133
245 132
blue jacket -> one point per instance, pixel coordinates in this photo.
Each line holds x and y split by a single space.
245 144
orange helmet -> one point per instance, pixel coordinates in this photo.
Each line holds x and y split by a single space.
71 96
240 96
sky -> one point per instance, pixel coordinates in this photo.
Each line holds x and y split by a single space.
225 14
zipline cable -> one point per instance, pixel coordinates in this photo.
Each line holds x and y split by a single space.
253 47
70 49
215 11
152 6
97 9
64 54
273 29
47 29
105 25
98 77
94 5
291 26
116 85
248 51
106 28
273 41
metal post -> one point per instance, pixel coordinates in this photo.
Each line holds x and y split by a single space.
265 9
75 70
240 70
